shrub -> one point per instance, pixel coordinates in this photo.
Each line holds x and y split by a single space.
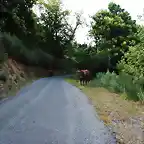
31 56
122 83
133 60
3 76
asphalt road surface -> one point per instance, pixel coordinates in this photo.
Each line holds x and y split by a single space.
51 111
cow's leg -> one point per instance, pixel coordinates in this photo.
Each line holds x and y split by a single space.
84 81
88 79
81 81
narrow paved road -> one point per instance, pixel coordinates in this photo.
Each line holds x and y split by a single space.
51 111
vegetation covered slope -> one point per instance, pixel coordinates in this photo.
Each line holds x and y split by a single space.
49 40
34 41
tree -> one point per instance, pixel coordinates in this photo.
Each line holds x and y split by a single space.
133 61
58 33
16 17
113 31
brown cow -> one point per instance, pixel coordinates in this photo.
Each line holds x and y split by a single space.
80 76
84 76
87 76
51 73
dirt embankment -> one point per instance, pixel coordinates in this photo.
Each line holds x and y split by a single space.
14 75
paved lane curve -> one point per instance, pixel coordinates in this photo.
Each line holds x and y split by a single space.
51 111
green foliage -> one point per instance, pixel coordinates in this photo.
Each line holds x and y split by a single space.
122 83
16 17
113 31
3 76
58 33
2 51
87 57
133 61
34 40
17 50
48 41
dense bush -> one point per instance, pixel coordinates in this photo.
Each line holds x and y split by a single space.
17 50
37 40
122 83
133 60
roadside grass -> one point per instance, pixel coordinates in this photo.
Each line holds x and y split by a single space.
21 84
14 88
110 106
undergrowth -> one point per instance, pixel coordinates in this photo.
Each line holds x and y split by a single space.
16 49
123 83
